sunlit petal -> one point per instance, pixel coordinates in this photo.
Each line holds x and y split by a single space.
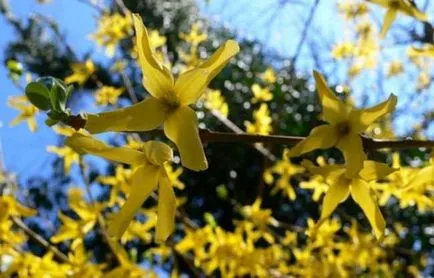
389 18
333 109
145 115
87 145
336 194
166 209
182 128
190 85
321 137
361 195
145 180
156 78
373 170
424 176
361 119
352 147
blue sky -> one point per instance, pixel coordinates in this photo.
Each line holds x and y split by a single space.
278 28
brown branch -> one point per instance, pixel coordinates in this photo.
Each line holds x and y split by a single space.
208 136
39 239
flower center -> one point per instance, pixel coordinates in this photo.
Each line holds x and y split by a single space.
343 128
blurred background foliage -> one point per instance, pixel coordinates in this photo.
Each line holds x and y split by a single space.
235 170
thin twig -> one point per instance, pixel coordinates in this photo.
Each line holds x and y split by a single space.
100 218
39 239
304 34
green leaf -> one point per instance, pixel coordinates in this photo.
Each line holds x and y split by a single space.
50 122
57 115
58 97
38 95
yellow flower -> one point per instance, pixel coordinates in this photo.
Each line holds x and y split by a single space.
69 156
27 111
351 10
262 124
395 68
10 207
108 95
174 175
195 37
340 187
269 76
427 50
346 124
169 101
407 7
111 29
260 94
423 80
80 72
156 40
120 182
148 173
215 101
286 170
343 50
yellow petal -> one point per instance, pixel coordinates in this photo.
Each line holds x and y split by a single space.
336 194
190 85
324 171
361 119
361 195
145 180
157 79
157 153
424 176
145 115
373 170
87 145
427 50
388 20
181 127
410 9
333 109
166 210
321 137
352 147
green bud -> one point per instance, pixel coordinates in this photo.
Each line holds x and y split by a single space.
222 191
209 219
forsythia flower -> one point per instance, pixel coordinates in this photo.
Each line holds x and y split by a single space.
80 72
269 76
262 124
169 101
351 10
27 111
69 155
285 170
112 29
108 95
343 50
215 101
260 94
195 37
148 173
427 50
395 68
407 7
346 124
340 187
